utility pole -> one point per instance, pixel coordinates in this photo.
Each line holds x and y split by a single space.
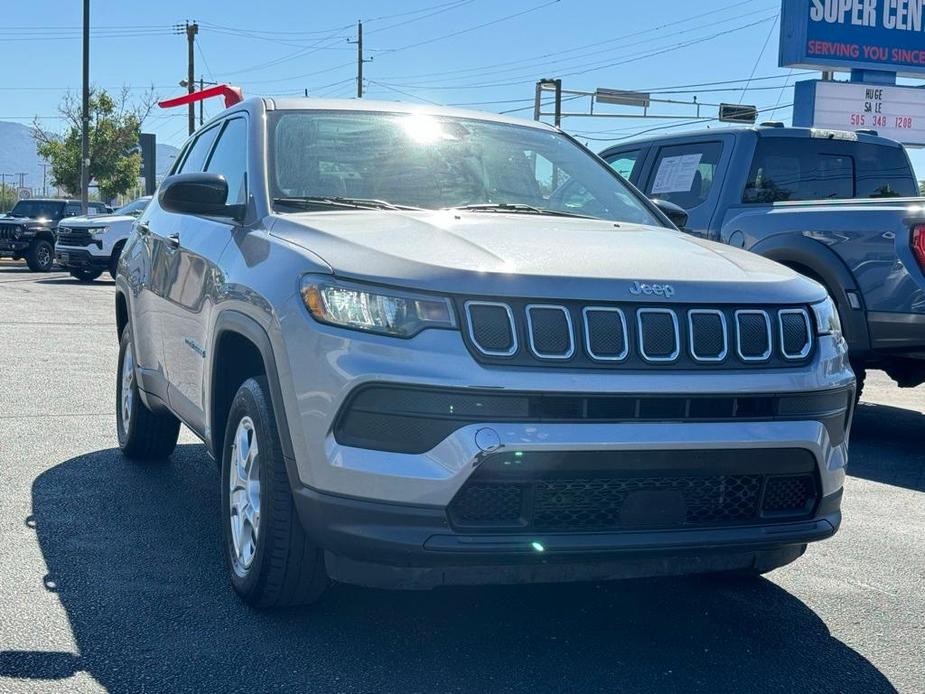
191 31
85 116
360 60
202 85
22 178
44 179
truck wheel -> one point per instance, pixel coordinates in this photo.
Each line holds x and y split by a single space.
114 261
143 434
85 275
860 375
269 557
41 256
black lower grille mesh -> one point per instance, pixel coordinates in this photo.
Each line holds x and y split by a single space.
507 497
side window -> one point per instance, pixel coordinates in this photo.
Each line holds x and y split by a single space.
883 172
684 174
198 151
799 169
72 210
230 159
624 163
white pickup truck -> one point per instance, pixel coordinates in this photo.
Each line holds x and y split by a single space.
88 246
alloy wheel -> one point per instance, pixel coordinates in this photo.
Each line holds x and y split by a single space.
244 495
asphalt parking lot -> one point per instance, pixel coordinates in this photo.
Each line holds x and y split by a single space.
111 576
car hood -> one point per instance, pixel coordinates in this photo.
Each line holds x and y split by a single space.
99 220
500 254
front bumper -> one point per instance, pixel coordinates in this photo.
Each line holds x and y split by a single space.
80 258
390 546
14 246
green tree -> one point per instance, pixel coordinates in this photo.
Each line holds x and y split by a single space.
8 198
115 124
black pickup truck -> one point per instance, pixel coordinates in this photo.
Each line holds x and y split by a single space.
837 206
28 231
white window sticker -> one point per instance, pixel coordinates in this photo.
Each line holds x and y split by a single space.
676 174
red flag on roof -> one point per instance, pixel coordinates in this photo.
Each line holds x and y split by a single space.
232 96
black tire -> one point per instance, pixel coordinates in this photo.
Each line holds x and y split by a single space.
860 374
146 435
85 275
285 567
41 256
114 261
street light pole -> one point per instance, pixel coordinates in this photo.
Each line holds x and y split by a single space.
85 116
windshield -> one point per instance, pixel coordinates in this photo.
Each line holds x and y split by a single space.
436 162
37 209
134 208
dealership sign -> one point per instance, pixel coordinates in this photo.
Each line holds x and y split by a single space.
886 35
894 112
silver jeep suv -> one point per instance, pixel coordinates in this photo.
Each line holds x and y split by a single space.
434 347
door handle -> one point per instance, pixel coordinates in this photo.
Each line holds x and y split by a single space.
143 228
173 241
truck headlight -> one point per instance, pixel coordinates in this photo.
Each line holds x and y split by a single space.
374 309
96 231
827 320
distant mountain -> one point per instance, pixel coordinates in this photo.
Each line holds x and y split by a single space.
17 153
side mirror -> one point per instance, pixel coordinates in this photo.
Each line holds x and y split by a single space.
675 213
198 193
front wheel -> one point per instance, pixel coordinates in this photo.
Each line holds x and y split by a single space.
269 557
41 256
85 275
143 434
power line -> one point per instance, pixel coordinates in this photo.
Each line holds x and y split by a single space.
493 67
595 66
468 29
760 55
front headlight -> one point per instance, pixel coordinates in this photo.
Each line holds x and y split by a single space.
96 231
827 320
375 309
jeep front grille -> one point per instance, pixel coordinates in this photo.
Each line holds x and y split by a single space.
525 333
8 231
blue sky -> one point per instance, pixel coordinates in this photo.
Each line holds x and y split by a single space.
480 53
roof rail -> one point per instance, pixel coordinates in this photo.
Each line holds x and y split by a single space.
867 131
771 124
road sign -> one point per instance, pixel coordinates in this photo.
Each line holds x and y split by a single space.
894 112
738 113
23 193
622 97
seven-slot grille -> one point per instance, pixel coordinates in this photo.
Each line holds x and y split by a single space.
8 231
639 335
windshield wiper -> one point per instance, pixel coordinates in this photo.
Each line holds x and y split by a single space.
516 207
342 202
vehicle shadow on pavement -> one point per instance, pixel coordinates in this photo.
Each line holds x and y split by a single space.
886 446
133 553
68 280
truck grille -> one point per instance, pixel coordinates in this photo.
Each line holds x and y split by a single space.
7 231
637 336
599 491
68 236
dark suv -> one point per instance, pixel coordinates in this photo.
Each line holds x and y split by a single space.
29 229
